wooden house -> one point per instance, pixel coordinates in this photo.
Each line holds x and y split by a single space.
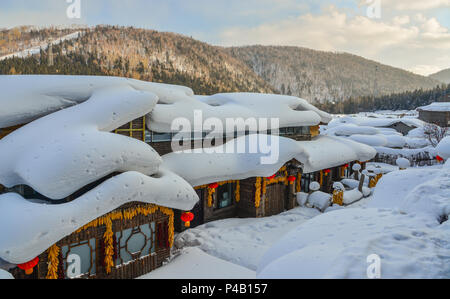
126 243
436 113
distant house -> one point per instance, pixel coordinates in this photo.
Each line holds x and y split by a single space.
436 113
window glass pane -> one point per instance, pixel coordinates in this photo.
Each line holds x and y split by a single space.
148 136
161 137
225 196
137 241
86 252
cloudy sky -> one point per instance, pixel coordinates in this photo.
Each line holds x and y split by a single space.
410 34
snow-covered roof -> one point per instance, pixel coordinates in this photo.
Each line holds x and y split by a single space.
291 111
381 122
321 153
26 98
28 228
436 107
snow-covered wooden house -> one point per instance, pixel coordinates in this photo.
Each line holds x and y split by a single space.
436 113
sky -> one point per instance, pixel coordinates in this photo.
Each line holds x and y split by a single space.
409 34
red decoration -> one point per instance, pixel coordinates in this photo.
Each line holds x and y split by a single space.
187 217
439 158
214 186
29 267
272 177
346 166
292 178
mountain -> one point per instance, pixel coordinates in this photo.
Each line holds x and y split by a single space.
326 76
443 76
176 59
146 55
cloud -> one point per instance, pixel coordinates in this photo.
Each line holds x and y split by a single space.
402 41
415 4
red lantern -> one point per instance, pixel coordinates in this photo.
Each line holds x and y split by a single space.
327 171
214 186
29 267
292 179
187 217
439 158
346 166
272 177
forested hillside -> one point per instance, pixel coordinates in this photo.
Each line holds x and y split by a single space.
145 55
326 76
443 76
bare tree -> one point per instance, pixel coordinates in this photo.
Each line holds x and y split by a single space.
435 133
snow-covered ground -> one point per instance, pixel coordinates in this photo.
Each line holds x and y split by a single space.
193 263
243 241
403 223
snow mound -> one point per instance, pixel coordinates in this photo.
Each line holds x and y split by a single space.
193 263
416 191
314 186
403 163
351 129
338 244
320 200
24 238
444 148
436 107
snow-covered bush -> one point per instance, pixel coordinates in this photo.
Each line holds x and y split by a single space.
320 200
403 163
356 167
314 186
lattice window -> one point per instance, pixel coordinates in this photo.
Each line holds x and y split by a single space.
135 243
86 251
135 129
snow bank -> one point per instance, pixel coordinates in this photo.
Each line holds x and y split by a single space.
416 191
59 154
28 228
352 196
351 129
338 244
444 148
193 263
381 122
243 241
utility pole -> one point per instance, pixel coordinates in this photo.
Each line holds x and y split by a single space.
50 54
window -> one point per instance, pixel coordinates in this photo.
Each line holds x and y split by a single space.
225 196
307 179
135 243
85 252
161 137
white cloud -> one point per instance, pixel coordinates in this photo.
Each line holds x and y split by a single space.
415 4
410 43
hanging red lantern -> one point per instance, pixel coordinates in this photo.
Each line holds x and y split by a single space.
29 267
292 179
346 166
272 177
214 186
187 217
327 171
439 158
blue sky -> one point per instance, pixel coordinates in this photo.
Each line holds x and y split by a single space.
411 34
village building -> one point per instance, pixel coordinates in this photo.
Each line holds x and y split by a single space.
436 113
